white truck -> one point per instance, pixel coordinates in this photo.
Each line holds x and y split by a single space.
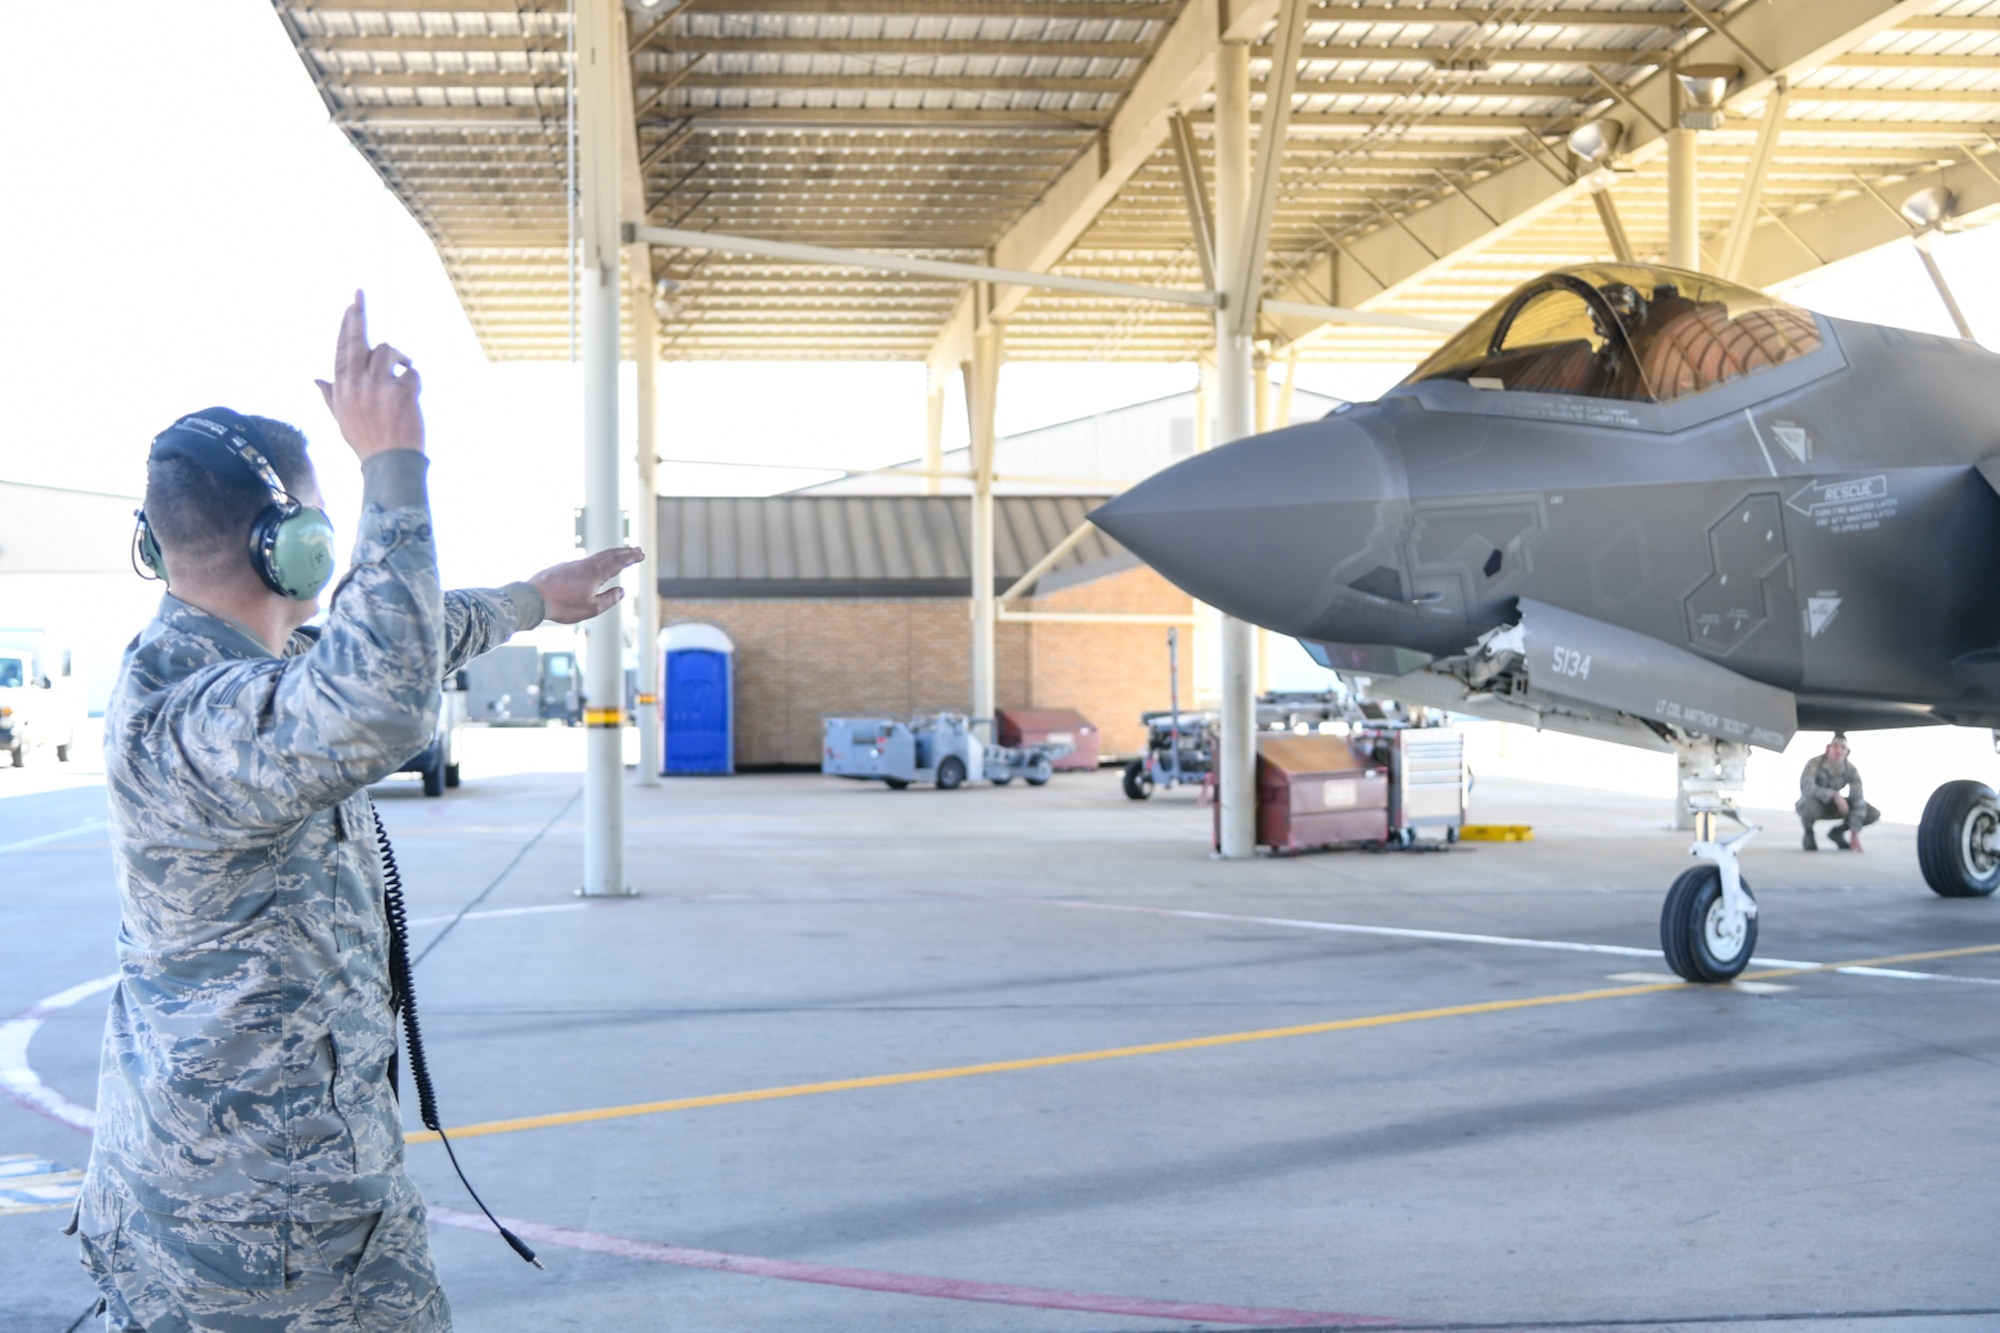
42 705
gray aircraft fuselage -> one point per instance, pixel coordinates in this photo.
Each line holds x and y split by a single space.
1821 526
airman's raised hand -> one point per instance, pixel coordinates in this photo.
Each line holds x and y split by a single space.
374 391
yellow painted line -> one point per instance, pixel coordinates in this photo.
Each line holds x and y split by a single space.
1036 1062
1127 1052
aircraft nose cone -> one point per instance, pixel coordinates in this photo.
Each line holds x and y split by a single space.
1254 527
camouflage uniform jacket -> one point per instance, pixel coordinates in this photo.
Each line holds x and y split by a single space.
246 1052
1823 780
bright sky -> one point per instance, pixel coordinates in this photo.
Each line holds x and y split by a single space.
186 226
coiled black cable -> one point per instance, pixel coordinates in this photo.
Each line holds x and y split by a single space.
404 997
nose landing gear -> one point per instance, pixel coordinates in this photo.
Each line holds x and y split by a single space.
1708 925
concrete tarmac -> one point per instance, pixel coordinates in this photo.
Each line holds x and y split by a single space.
1543 1137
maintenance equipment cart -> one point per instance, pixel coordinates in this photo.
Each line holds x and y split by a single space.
1180 747
942 749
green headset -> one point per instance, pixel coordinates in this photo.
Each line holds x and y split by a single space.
291 545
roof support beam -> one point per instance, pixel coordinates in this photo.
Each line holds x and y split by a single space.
1181 72
1749 200
1614 226
1187 164
1004 9
1793 36
1263 199
889 46
1805 239
909 264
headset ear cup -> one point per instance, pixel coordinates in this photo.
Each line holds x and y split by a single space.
149 548
296 551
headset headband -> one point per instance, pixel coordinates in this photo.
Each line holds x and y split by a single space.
219 435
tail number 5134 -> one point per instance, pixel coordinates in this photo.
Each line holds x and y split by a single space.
1569 662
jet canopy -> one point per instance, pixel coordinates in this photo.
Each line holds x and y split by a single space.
1630 331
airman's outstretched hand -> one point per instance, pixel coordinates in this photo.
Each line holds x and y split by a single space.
374 391
570 592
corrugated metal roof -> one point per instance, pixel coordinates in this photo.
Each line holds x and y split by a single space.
940 127
867 545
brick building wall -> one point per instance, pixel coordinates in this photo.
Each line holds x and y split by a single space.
801 659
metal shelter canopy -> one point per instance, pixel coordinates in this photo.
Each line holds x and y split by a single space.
1424 170
1421 164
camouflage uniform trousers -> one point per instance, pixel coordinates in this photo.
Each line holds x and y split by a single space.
1857 816
162 1274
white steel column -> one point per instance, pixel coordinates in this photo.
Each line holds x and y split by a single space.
1683 201
982 383
933 434
646 521
600 69
1235 418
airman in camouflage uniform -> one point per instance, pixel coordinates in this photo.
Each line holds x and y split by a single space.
1826 776
248 1169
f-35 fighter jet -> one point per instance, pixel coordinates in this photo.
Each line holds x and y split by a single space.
1648 506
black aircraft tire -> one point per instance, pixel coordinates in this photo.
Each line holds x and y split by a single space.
1039 773
434 780
1692 952
1001 782
451 775
1959 816
1138 782
897 784
950 772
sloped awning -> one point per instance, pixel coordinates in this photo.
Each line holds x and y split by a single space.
869 546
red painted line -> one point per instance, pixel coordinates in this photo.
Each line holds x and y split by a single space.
907 1284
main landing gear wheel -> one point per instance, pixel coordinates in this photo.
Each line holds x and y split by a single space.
1955 840
1701 940
1039 773
1138 782
950 772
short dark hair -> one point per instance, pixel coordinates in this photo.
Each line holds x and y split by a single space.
196 513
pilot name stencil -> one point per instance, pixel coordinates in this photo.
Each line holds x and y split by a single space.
1696 718
1856 505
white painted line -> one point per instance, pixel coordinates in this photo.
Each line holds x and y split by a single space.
90 826
501 911
1901 975
19 1080
1458 937
1342 928
29 1184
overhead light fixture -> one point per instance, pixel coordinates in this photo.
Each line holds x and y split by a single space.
1931 208
1597 141
1702 89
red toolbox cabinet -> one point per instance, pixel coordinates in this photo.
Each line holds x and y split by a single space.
1317 791
1050 726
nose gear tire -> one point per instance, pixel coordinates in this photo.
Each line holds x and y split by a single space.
1699 940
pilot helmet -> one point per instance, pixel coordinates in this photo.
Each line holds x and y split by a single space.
1624 300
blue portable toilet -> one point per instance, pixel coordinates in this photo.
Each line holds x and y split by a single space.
698 717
